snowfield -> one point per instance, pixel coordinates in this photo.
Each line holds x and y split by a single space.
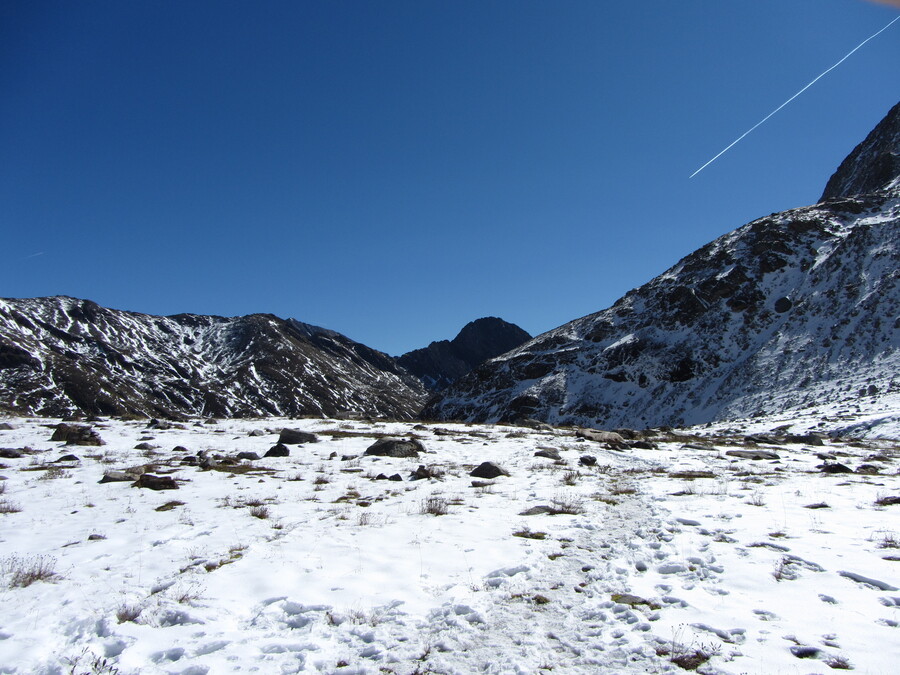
667 556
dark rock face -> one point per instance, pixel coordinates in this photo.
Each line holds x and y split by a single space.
278 450
872 165
76 435
790 311
60 356
488 470
443 362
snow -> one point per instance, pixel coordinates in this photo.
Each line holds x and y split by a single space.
348 574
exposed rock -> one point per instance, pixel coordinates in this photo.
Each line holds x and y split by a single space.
148 480
395 447
488 470
530 423
538 511
587 460
145 446
610 437
251 456
256 432
296 437
643 445
396 477
278 450
68 458
753 454
421 473
806 439
10 453
6 426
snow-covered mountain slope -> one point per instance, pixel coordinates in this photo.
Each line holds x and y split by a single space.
791 310
445 361
61 355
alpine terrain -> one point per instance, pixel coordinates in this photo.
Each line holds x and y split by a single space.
61 356
442 362
794 310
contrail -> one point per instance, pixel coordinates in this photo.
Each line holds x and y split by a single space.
766 118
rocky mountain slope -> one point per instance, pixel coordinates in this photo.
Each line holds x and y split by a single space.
442 362
61 355
792 310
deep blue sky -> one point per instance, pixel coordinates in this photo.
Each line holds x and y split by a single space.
393 170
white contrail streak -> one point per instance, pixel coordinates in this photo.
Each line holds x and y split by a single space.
766 118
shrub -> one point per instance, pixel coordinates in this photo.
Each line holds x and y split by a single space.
261 512
25 571
128 613
7 506
435 506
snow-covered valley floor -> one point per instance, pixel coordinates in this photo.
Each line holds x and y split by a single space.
652 560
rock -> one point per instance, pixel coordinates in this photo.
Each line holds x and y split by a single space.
753 454
807 439
278 450
825 456
802 652
549 453
421 473
481 483
642 445
396 477
6 426
69 458
148 480
868 469
834 468
248 455
587 460
116 477
257 432
296 437
395 447
144 446
381 476
531 423
10 453
488 470
538 511
190 460
74 434
180 449
610 437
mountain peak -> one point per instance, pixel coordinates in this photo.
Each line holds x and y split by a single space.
874 164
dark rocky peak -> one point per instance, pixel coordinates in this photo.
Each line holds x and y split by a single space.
873 165
445 361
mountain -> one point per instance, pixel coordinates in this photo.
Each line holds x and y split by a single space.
794 310
445 361
61 356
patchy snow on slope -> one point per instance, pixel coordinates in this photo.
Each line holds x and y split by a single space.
667 554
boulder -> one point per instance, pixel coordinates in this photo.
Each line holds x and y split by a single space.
610 437
257 432
834 468
75 434
753 454
68 458
148 480
296 437
10 453
248 455
395 447
278 450
117 477
488 470
587 460
144 446
549 453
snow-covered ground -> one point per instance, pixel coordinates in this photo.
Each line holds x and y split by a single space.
652 559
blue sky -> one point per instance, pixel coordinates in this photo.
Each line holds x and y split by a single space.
393 170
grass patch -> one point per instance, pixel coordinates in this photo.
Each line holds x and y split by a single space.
434 506
526 533
7 506
24 571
